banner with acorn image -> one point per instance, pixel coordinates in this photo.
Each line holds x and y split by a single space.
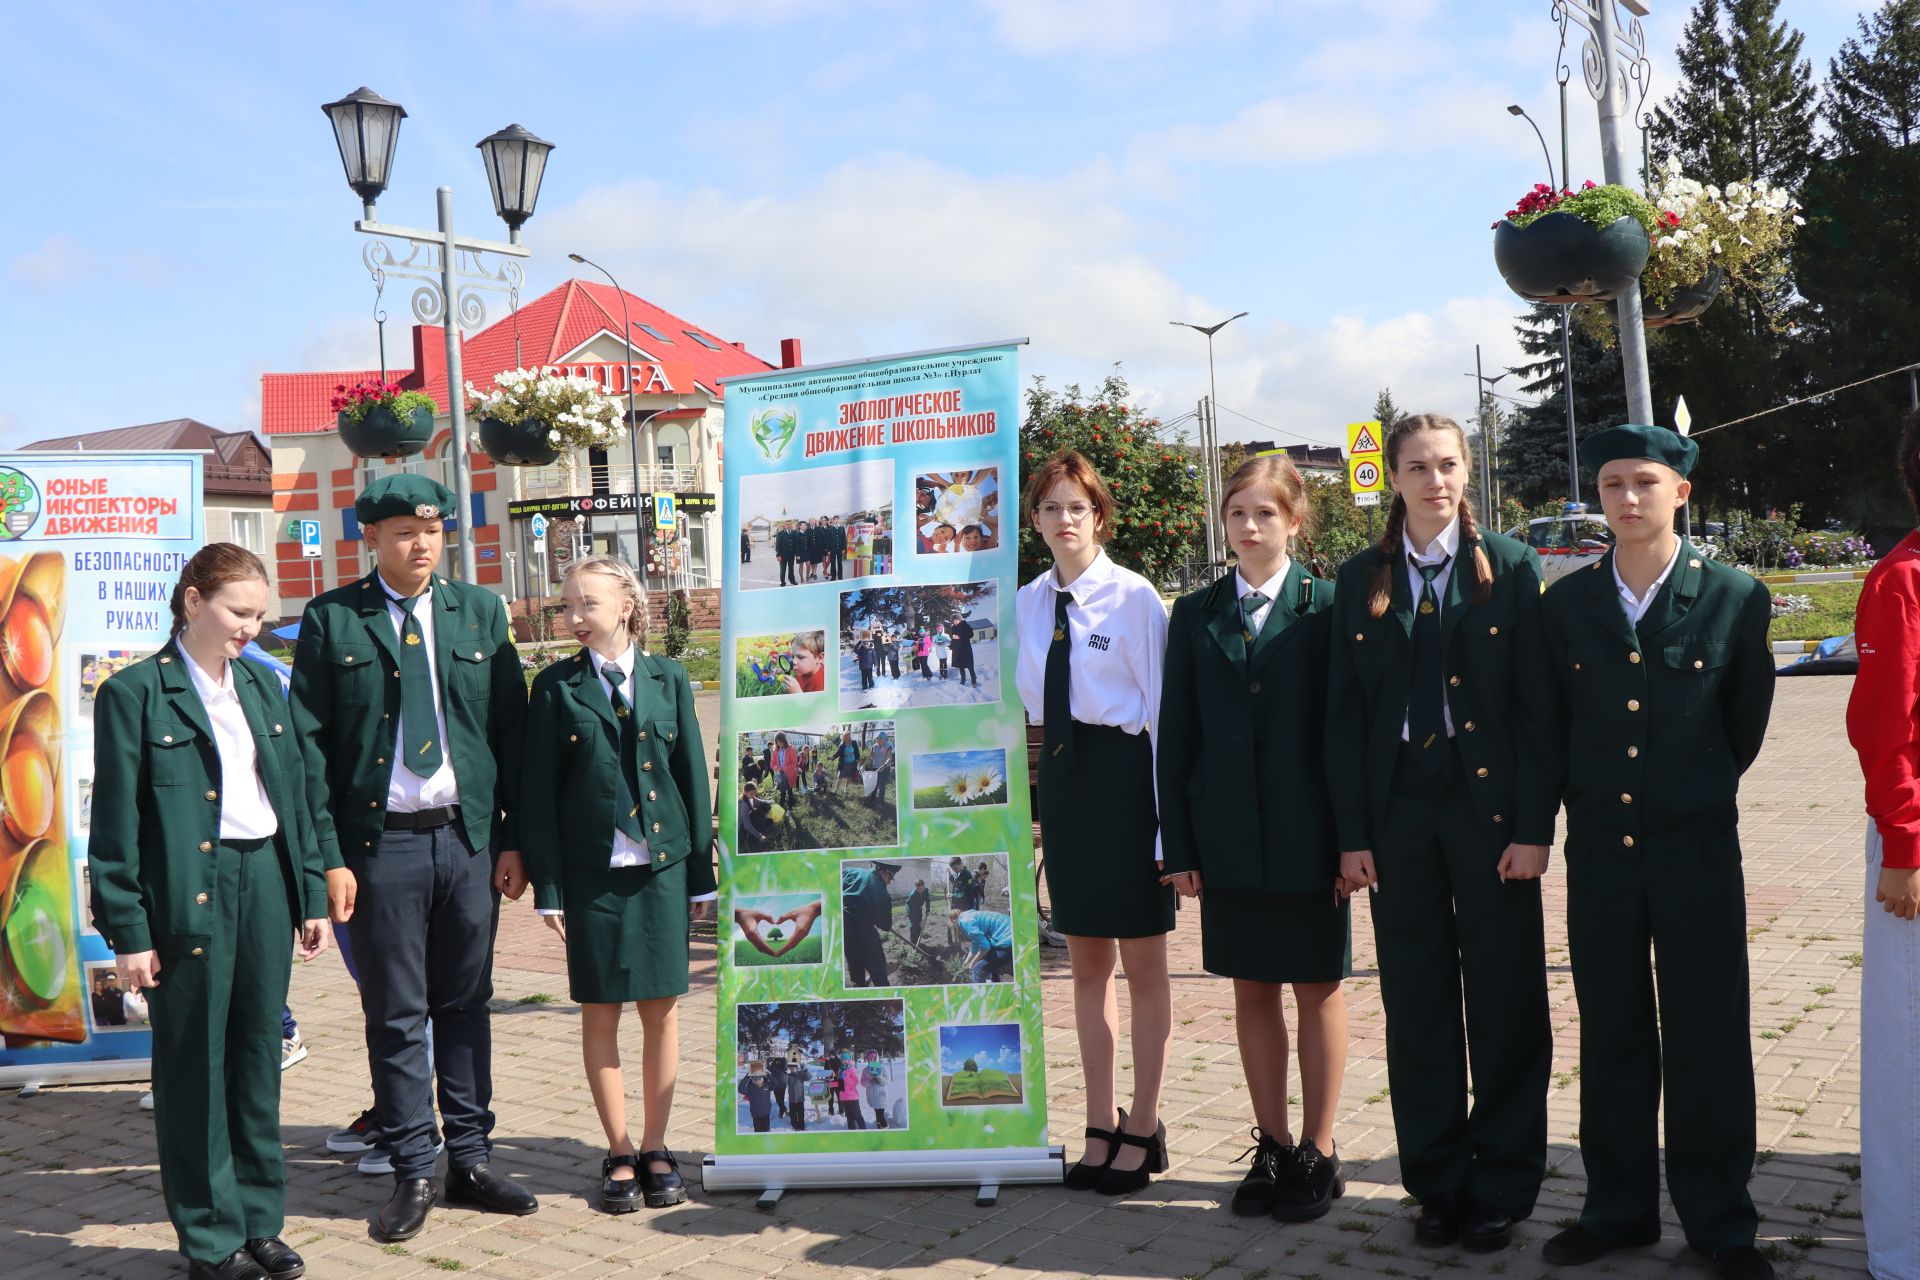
90 546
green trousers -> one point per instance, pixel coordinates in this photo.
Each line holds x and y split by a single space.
1463 981
216 1058
1671 920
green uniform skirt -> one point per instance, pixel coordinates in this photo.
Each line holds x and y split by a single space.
626 933
1097 829
1275 937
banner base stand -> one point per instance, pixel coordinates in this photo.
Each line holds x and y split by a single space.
987 1171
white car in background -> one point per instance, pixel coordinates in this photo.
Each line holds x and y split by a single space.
1569 541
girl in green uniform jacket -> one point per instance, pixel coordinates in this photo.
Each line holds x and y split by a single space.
204 866
1438 708
619 840
1248 829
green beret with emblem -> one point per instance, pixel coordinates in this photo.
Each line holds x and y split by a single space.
403 494
894 867
1637 442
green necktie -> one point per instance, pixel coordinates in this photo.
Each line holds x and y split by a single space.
419 727
628 822
1056 702
1426 699
1250 604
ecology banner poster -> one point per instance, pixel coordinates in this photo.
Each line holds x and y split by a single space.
90 547
879 997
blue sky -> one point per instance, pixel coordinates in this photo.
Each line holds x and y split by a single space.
866 175
994 1045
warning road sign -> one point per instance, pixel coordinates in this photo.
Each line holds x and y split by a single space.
1366 464
1363 437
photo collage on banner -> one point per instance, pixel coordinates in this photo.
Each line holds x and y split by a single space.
90 547
879 975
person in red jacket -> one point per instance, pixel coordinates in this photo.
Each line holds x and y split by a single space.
1883 724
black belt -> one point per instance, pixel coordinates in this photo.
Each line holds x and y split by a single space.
423 819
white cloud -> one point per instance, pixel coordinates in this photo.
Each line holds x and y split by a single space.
900 253
58 260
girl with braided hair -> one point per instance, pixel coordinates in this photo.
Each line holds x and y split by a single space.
1439 708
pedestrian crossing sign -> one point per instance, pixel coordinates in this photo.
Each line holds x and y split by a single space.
1363 437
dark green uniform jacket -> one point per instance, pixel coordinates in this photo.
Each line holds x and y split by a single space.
865 899
156 805
1243 797
572 782
1657 723
346 709
1498 691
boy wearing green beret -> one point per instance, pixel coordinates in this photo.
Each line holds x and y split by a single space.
408 700
1664 685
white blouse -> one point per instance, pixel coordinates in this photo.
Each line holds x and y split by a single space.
245 811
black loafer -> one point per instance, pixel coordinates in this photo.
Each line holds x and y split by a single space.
405 1212
1485 1228
276 1259
1577 1246
482 1188
240 1266
1438 1224
619 1195
662 1189
1084 1176
1743 1262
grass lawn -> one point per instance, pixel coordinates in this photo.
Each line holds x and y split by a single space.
1833 606
808 952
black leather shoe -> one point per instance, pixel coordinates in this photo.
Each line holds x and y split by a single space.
276 1259
1741 1263
1577 1246
240 1266
405 1212
481 1187
1438 1224
619 1195
1485 1228
1254 1195
1121 1182
1083 1176
662 1189
1308 1189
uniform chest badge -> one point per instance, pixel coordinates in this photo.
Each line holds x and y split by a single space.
1426 606
413 639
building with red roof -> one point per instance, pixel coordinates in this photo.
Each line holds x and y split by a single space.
676 371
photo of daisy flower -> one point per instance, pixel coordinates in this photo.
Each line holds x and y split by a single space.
960 779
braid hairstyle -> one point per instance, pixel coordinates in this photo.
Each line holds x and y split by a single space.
1393 538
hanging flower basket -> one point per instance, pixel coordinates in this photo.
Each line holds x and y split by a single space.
1560 258
1688 303
532 415
525 443
379 420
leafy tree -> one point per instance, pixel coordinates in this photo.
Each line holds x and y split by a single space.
841 1027
1154 477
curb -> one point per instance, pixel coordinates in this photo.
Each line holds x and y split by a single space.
1824 575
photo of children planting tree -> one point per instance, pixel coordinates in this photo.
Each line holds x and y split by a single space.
926 922
801 790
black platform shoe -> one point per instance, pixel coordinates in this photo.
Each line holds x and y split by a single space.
619 1195
1084 1176
1254 1195
1120 1182
663 1189
1308 1189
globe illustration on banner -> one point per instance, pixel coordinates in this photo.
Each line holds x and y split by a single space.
19 504
773 430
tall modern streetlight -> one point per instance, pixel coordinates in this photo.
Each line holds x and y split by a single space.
1484 385
367 128
1210 432
633 414
1566 312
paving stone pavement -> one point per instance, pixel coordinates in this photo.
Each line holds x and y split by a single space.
80 1195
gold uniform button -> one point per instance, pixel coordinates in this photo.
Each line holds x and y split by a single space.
1633 704
1576 666
1693 564
1453 680
642 735
396 673
166 737
1697 664
1626 797
1468 726
349 658
646 766
276 728
1493 631
1634 658
573 737
656 826
1627 841
213 795
200 898
649 795
381 760
1480 772
1498 818
165 661
199 951
1359 635
206 846
1633 753
373 804
476 655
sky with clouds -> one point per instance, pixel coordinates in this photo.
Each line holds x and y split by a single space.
866 175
